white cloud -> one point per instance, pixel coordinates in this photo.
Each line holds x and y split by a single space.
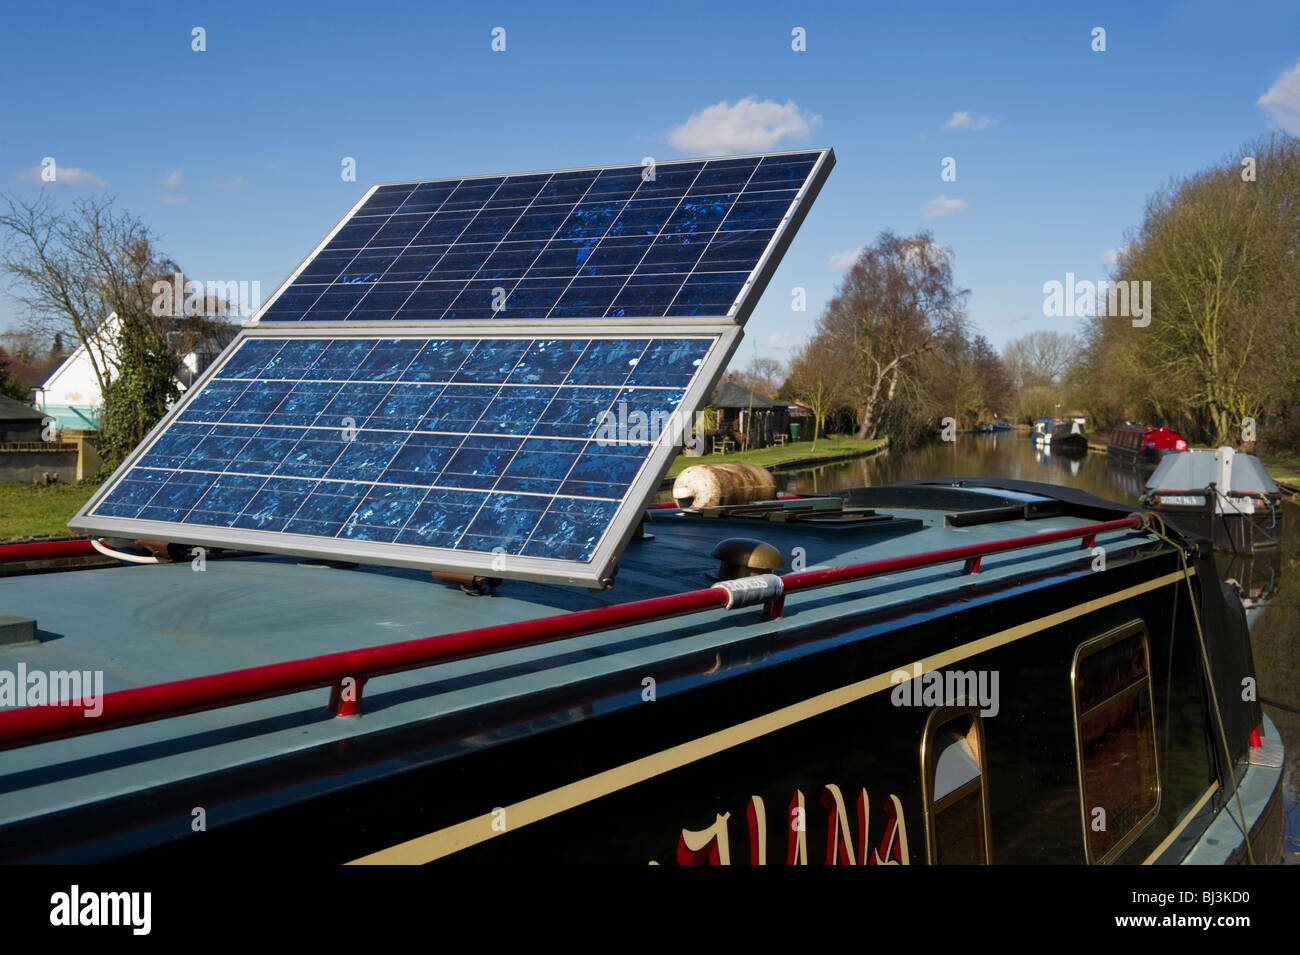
63 175
961 120
781 342
749 126
1282 101
173 178
174 200
1111 256
843 260
942 206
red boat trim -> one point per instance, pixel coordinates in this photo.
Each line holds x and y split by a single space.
345 672
46 550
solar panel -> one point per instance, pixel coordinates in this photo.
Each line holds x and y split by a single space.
445 452
486 375
606 244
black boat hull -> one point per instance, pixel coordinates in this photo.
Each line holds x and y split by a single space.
1235 533
804 731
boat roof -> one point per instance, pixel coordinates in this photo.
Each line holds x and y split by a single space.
1185 470
147 624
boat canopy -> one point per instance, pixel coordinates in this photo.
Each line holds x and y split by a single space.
1185 470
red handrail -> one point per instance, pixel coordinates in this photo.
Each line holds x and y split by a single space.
45 550
39 724
967 552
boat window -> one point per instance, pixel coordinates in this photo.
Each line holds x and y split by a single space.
1114 723
956 795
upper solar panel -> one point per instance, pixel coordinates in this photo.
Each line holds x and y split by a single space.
679 240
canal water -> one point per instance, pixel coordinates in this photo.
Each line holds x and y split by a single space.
1269 581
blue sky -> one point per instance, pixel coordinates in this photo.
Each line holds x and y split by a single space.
232 155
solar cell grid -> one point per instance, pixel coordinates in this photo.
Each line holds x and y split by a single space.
585 244
451 443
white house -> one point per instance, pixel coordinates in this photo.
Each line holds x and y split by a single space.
71 394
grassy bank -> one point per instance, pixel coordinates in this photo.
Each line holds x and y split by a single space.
28 510
767 457
1282 469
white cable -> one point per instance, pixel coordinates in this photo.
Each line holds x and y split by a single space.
118 555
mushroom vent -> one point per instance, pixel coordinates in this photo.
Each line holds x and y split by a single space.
746 557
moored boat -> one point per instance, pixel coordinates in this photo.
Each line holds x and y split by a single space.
1222 494
1067 438
1142 445
1041 432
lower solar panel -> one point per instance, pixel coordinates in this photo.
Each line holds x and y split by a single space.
523 456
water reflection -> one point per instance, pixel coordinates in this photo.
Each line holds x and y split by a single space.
1008 455
1257 577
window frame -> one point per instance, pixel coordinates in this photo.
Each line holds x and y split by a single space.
1082 651
936 721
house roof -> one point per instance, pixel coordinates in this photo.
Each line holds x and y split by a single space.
731 395
11 410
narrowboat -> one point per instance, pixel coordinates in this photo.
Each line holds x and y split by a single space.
1067 438
1142 445
1224 495
936 672
1041 432
990 427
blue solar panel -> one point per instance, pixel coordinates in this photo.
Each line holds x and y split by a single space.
331 431
605 243
468 445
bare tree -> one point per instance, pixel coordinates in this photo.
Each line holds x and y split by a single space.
1040 359
895 304
1221 251
762 375
817 377
73 269
24 344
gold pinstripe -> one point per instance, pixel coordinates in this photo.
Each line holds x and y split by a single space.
462 835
